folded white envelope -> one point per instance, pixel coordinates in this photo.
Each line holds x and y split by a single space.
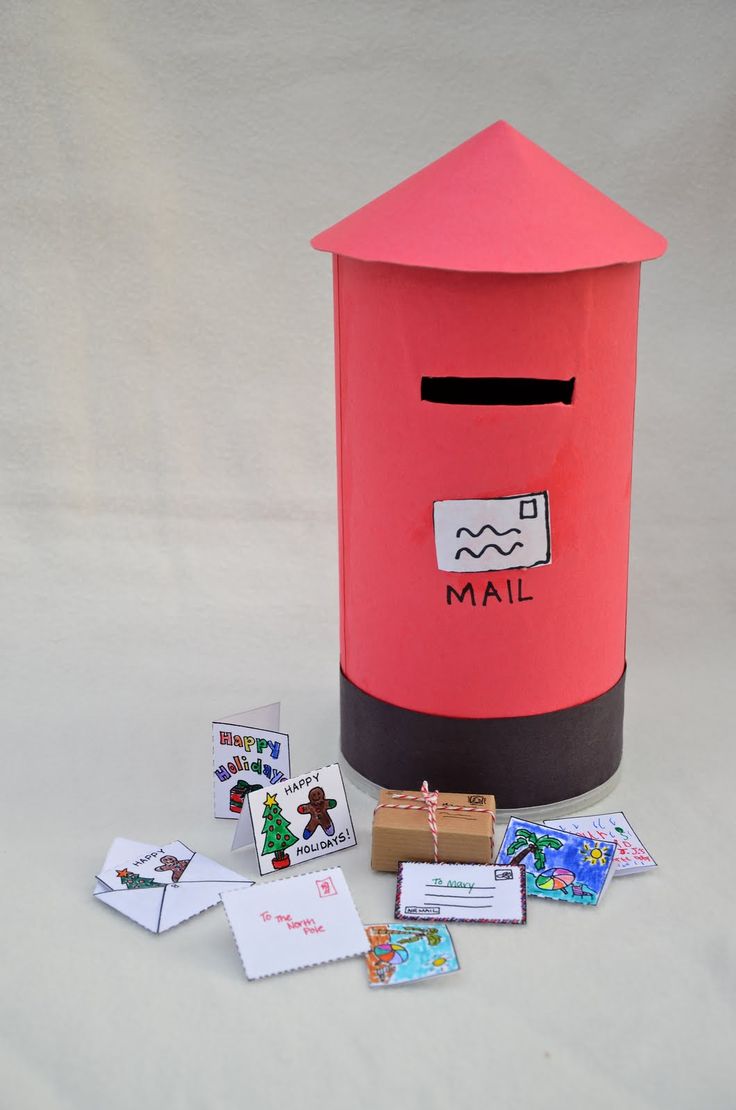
161 887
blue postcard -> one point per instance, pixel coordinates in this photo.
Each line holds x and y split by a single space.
558 864
405 953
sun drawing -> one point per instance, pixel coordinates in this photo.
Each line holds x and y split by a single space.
594 853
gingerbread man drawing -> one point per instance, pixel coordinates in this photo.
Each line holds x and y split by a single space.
317 808
177 867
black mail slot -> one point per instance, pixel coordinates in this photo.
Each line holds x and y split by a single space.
497 391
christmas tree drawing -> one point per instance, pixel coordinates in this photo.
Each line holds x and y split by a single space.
135 882
277 832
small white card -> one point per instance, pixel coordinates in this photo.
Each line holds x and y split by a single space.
297 820
294 923
631 855
249 754
161 887
481 892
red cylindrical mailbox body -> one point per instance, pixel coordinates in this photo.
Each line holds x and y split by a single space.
485 424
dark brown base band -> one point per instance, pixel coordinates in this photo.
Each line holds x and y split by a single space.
524 761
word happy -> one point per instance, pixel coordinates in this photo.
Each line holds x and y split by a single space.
302 784
507 596
239 763
145 859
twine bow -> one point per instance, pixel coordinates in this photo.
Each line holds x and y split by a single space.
428 801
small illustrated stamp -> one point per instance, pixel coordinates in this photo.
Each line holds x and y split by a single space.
408 953
559 865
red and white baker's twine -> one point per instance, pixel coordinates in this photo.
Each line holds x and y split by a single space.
428 800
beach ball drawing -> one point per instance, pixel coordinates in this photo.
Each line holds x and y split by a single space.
555 878
391 953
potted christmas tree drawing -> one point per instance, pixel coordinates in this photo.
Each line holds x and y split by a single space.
526 842
277 832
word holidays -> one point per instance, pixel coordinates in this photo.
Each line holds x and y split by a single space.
257 766
329 842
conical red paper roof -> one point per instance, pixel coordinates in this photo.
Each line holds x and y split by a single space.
497 203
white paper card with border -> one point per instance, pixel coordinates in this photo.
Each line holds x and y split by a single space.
161 887
631 855
249 754
295 923
482 892
297 820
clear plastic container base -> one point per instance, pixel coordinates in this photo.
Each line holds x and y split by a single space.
569 807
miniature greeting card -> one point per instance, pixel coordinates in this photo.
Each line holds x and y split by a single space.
558 864
480 892
408 953
631 855
297 820
294 923
161 887
249 754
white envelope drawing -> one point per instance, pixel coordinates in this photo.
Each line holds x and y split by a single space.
492 533
138 881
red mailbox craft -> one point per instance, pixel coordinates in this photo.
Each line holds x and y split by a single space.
485 335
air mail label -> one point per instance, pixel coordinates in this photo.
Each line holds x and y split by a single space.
496 533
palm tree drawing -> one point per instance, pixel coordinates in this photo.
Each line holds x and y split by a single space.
431 936
526 842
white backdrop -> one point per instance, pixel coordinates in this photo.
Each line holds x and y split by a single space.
169 549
